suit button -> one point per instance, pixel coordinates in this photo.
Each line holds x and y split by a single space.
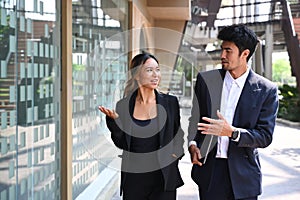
160 146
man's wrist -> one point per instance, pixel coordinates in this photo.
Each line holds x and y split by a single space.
192 143
235 135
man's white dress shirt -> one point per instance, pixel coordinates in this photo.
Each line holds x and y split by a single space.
231 92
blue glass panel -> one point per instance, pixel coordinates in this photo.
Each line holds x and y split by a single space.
41 7
29 115
12 192
3 120
29 70
22 23
42 67
3 142
41 49
4 194
22 139
11 169
46 30
12 94
29 92
12 20
12 44
3 69
22 93
12 143
46 50
3 17
35 135
12 118
36 70
29 26
22 70
23 186
35 47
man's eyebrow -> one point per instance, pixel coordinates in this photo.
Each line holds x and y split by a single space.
226 48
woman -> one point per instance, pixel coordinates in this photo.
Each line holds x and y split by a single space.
146 125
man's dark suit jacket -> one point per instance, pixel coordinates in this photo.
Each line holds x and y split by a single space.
255 114
170 136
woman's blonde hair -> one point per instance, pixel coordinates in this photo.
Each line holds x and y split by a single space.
135 64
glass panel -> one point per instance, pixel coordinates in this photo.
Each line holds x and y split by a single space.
28 33
99 67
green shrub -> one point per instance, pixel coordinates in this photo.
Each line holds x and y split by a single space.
289 103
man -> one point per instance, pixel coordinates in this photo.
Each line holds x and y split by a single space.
234 112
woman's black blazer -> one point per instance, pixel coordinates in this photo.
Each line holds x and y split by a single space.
171 136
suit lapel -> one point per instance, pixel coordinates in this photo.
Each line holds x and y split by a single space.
214 82
130 102
248 98
162 115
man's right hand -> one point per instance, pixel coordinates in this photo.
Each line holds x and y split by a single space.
195 154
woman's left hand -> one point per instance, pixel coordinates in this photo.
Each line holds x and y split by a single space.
110 113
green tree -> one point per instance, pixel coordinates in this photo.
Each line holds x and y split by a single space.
282 72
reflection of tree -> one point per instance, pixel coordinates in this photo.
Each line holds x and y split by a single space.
78 84
5 31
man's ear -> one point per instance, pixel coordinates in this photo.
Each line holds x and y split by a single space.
245 53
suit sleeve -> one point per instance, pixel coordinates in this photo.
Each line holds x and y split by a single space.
195 118
117 134
261 135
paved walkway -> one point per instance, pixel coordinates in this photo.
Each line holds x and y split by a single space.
280 164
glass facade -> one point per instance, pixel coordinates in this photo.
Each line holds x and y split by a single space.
29 99
99 72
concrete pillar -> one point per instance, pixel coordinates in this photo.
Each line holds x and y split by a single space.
249 12
257 64
268 51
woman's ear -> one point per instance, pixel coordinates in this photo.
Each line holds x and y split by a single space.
136 78
137 75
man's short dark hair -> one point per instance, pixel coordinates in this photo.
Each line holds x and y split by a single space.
241 36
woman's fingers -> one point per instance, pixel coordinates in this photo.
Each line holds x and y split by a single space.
108 112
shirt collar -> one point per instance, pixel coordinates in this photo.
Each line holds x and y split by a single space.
240 81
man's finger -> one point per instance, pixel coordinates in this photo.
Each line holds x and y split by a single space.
204 125
207 119
220 115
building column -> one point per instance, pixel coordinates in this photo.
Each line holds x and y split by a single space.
268 51
66 98
257 64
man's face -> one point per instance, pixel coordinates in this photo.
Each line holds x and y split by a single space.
231 58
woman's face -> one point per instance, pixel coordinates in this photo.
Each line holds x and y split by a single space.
149 74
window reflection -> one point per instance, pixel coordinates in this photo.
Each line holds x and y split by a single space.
99 73
29 99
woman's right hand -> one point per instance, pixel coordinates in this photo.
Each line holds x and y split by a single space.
110 113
